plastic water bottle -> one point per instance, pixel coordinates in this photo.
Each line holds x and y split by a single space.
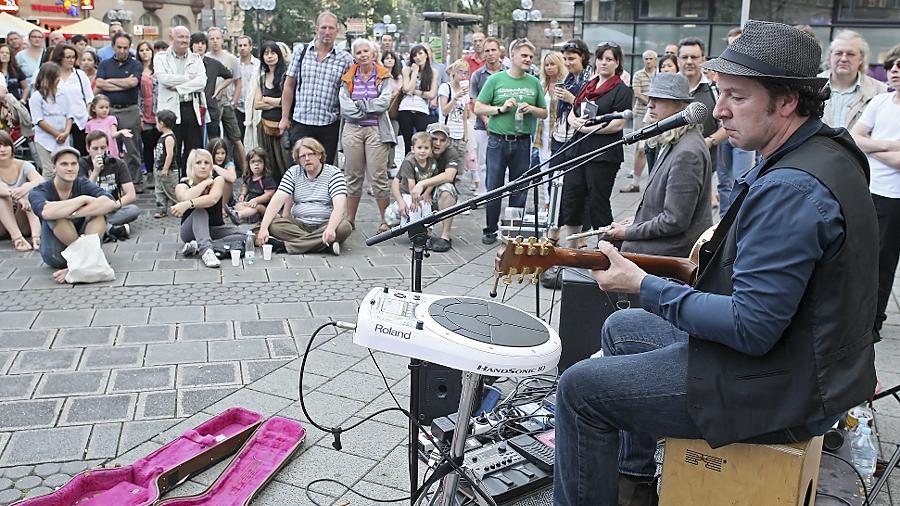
863 452
249 248
520 121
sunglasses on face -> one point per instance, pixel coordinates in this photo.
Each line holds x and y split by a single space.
607 44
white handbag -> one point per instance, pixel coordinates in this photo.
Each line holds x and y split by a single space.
86 261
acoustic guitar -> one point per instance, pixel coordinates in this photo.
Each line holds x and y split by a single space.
520 257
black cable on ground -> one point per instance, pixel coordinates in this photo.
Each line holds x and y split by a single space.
862 481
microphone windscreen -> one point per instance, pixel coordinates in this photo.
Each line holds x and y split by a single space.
627 114
696 113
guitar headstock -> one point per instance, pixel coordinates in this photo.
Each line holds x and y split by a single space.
523 257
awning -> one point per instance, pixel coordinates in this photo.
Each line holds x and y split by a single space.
92 28
10 23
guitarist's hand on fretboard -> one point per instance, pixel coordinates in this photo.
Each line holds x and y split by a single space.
622 276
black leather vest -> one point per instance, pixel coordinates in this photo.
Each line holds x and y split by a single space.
825 361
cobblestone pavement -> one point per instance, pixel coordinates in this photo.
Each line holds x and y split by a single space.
107 373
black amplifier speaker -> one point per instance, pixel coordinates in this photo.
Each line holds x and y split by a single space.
439 391
584 307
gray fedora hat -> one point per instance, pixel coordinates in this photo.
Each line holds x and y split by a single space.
670 86
772 50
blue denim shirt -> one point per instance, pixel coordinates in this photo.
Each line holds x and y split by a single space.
787 223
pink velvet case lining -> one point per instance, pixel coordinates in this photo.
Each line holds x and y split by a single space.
142 482
259 460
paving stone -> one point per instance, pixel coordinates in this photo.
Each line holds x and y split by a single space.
180 314
244 276
141 379
283 310
135 433
28 482
204 276
74 468
146 334
121 316
150 278
64 318
14 473
18 386
6 359
179 264
262 403
256 328
252 370
332 308
343 467
296 275
38 491
40 279
10 495
175 353
305 261
5 483
373 273
24 339
46 445
88 336
57 480
72 383
46 360
109 357
104 441
17 319
208 375
282 347
333 273
205 331
239 349
108 408
306 326
354 385
192 401
231 312
12 285
156 404
47 469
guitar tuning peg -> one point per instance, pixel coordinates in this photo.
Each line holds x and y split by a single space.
518 249
507 280
534 279
532 240
519 239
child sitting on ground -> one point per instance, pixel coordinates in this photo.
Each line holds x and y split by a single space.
257 190
102 120
223 166
165 165
411 201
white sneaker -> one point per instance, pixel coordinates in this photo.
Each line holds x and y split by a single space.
336 248
190 249
209 259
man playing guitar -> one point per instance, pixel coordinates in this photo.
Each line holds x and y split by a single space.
775 340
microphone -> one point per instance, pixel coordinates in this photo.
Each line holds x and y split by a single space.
694 113
606 118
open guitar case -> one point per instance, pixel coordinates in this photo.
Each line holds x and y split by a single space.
264 449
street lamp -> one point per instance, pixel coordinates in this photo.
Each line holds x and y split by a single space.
524 15
553 33
257 5
120 14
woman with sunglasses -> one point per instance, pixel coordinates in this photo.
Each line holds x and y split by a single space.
591 185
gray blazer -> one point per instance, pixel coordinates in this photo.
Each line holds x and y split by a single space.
676 207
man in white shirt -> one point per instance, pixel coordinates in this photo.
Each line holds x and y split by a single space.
228 93
182 77
249 66
877 133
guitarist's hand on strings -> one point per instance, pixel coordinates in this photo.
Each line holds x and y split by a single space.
623 275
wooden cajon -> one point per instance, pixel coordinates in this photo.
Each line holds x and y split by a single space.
740 474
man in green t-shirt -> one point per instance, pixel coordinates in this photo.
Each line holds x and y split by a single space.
513 100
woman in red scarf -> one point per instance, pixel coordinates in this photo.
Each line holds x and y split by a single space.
586 190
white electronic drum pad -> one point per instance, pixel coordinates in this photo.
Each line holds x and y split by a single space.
498 339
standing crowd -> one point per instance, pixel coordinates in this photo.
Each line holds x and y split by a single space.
228 139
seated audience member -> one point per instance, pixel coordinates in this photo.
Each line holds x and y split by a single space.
317 220
200 209
223 166
111 174
676 207
412 202
257 190
17 178
68 206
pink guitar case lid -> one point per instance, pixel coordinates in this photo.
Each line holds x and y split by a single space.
144 481
262 456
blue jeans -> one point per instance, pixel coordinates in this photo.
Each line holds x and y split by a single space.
732 161
640 386
51 247
503 154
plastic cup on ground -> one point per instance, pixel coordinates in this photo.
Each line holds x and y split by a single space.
235 257
267 251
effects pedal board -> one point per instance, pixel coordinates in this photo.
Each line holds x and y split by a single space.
535 450
504 473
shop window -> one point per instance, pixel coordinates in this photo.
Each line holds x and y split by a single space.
870 10
179 20
791 12
607 10
149 19
677 9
